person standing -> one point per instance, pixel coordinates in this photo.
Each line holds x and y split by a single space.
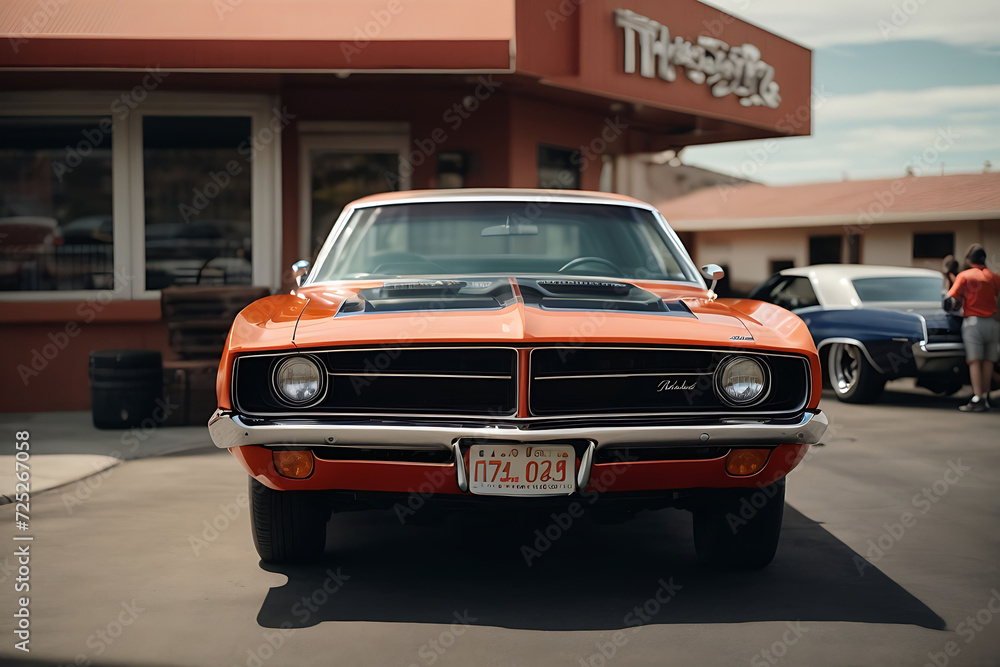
949 267
977 288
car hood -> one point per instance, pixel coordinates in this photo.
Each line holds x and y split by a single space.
516 311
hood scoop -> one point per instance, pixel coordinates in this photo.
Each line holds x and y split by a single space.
414 288
427 295
569 294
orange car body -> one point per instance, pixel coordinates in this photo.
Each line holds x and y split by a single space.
306 320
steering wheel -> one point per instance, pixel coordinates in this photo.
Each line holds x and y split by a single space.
573 263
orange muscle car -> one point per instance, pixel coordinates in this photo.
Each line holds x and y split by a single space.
471 349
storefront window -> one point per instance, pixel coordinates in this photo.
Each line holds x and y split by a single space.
55 203
197 192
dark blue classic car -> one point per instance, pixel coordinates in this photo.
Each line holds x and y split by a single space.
872 324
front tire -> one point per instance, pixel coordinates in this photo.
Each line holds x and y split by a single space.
738 529
287 526
853 378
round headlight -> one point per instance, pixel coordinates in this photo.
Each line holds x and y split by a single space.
741 380
298 380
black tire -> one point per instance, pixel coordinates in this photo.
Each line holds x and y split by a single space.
739 529
852 377
287 526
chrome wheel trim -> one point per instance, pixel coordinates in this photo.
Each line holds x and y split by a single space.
845 367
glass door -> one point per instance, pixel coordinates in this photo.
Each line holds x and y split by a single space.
337 167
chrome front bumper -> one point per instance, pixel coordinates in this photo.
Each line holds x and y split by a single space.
230 430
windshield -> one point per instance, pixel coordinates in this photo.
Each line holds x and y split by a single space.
507 238
900 289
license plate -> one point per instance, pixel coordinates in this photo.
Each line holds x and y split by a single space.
522 470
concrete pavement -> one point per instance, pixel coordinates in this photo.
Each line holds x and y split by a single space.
888 557
65 447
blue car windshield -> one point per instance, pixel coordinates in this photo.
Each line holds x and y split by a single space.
463 238
910 289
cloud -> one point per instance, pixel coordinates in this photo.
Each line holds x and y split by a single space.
900 104
820 24
873 135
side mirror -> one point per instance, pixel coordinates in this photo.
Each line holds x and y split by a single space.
300 270
715 272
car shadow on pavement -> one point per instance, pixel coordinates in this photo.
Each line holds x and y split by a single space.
474 569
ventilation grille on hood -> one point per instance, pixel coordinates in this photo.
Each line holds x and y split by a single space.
417 295
579 294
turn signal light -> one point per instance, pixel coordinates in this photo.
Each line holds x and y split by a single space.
743 462
294 464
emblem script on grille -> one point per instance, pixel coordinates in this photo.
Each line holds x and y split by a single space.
675 385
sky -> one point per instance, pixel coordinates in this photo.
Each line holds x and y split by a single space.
897 84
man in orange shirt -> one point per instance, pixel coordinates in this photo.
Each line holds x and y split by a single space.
977 289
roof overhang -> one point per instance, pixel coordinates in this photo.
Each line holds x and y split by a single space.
255 35
851 223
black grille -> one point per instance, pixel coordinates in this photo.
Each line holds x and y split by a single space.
593 380
425 381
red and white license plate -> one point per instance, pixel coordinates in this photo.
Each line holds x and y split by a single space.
522 470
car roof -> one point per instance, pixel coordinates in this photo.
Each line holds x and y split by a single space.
825 272
832 282
498 194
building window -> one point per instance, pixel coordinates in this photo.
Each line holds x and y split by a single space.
779 265
172 190
197 195
558 168
452 168
56 231
825 249
933 246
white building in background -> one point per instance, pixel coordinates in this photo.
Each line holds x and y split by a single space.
754 230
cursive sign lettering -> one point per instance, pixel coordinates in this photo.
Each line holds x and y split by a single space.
729 70
675 385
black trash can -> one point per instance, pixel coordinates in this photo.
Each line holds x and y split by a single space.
125 386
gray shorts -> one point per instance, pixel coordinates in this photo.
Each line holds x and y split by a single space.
981 336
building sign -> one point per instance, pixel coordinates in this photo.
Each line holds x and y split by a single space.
728 70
